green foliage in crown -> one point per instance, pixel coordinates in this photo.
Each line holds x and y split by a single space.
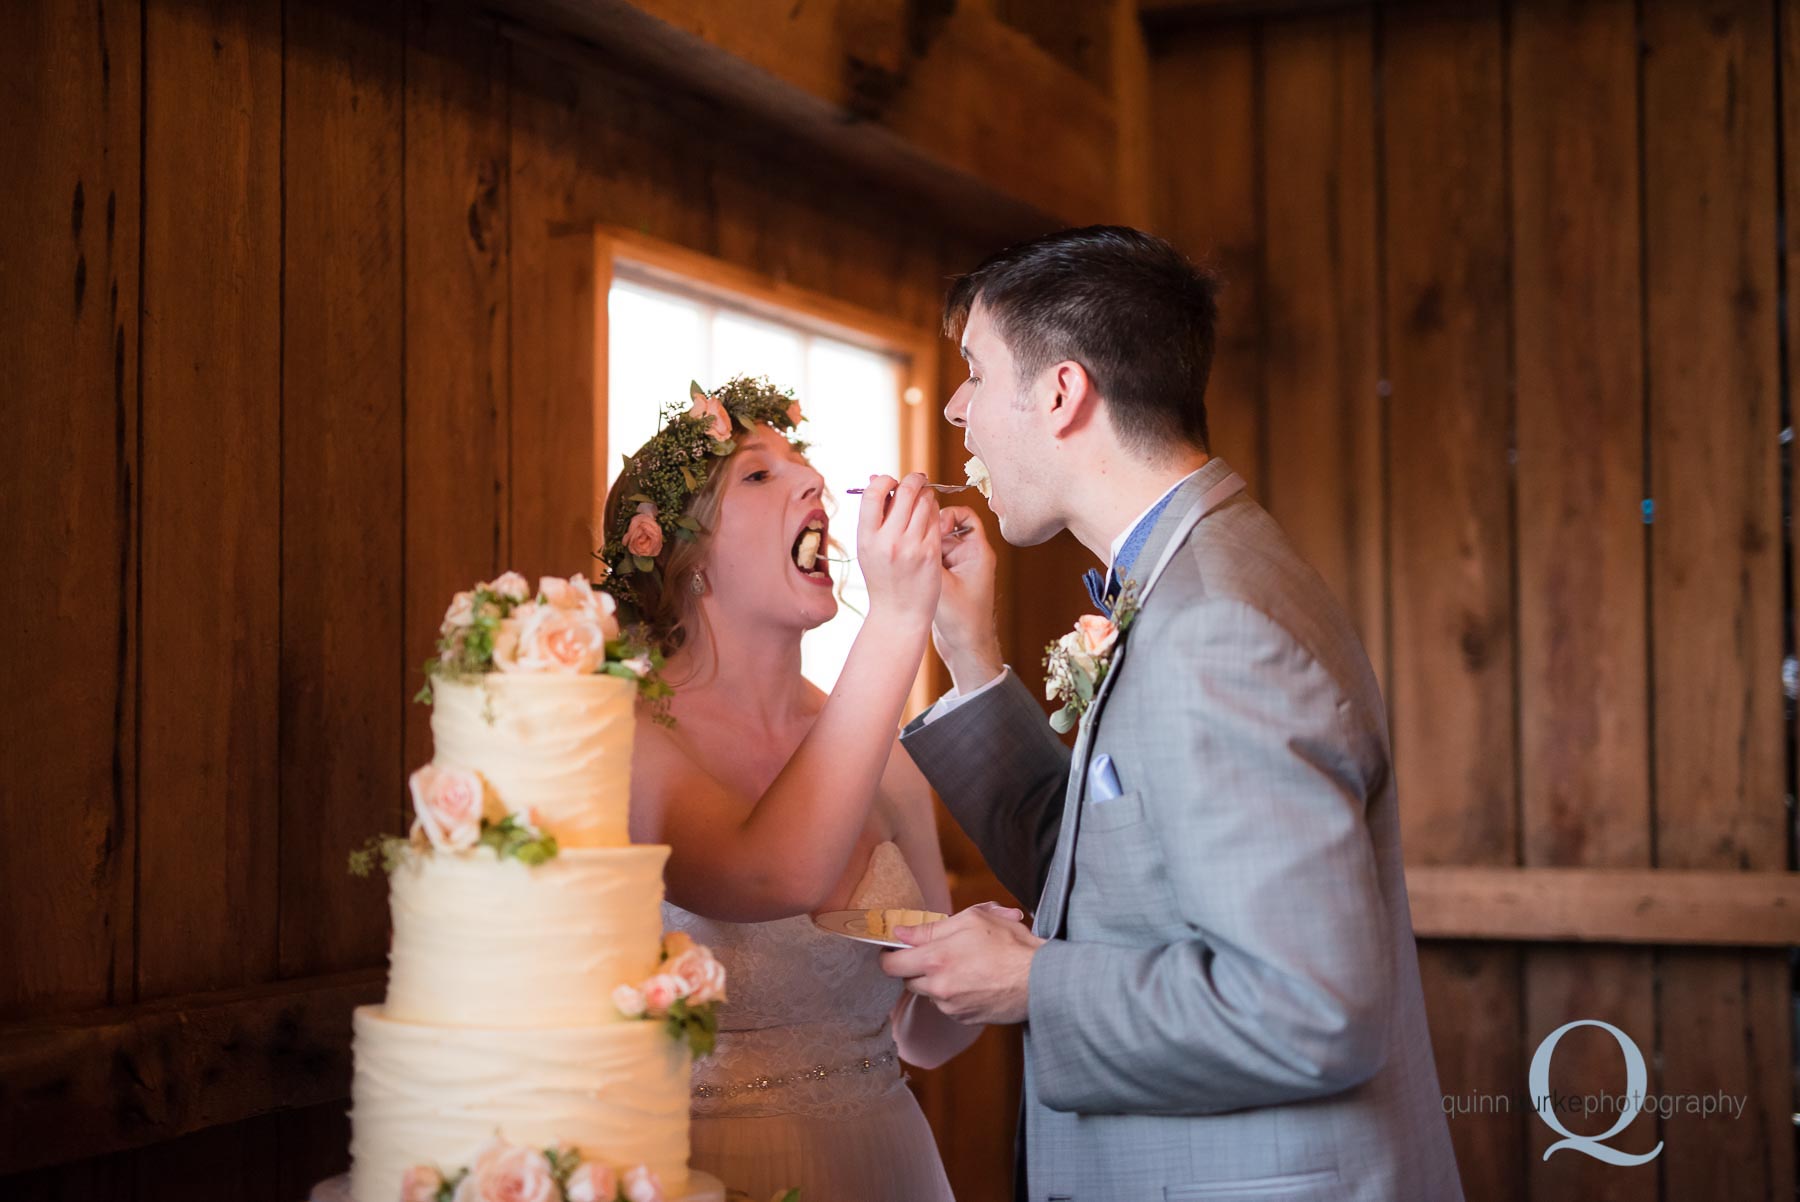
671 469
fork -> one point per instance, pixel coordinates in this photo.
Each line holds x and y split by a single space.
943 488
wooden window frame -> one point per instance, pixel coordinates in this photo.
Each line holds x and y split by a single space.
640 258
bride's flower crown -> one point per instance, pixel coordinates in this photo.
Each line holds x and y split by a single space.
670 470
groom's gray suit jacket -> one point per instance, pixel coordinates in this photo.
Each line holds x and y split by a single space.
1229 1005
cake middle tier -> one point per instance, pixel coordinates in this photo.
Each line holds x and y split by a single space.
481 941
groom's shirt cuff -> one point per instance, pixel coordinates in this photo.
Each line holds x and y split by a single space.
952 699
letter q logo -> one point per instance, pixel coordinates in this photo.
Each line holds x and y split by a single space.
1636 1078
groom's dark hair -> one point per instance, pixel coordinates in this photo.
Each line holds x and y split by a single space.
1126 305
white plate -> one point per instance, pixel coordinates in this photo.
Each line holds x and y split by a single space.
852 924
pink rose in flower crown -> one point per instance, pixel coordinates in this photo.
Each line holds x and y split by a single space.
640 1185
701 973
448 805
1097 634
504 1173
793 413
511 585
644 536
591 1182
662 991
421 1184
712 411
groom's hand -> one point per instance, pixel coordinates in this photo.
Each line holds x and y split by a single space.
976 965
963 630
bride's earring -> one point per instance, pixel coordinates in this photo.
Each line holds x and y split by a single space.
698 584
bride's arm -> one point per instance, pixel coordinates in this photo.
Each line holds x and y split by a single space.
925 1036
783 855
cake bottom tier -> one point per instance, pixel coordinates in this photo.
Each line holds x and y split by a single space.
435 1095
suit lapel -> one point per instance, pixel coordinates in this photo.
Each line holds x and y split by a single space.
1204 491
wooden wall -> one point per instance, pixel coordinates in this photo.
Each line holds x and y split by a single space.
1500 277
295 334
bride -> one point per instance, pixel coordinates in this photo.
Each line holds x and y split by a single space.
780 802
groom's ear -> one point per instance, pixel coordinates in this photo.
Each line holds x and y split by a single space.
1074 403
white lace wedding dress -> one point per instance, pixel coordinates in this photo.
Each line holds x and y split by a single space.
804 1088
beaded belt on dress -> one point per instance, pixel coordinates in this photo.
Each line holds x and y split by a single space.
818 1072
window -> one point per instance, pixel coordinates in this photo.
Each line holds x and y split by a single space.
864 409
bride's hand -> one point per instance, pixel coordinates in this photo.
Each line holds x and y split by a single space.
897 547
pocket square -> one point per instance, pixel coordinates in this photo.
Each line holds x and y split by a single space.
1103 780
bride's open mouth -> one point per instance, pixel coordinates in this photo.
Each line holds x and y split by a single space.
809 547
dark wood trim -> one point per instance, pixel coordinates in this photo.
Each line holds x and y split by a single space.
108 1080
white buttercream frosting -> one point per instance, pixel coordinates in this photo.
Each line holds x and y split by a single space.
485 942
427 1094
556 745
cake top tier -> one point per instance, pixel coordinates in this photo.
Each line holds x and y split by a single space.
532 694
551 752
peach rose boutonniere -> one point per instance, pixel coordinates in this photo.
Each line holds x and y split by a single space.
1076 664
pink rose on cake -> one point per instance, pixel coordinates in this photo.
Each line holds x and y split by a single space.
628 1000
591 1182
510 585
460 615
421 1184
504 1173
676 942
662 991
640 1185
447 804
545 638
644 537
703 976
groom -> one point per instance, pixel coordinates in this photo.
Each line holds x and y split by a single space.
1220 990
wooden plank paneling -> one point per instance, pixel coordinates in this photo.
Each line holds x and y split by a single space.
1584 734
1325 469
1206 92
341 602
1605 905
211 350
1716 606
102 1081
239 1162
456 329
1451 692
69 258
555 483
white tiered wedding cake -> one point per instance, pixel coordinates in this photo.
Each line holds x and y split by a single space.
537 1033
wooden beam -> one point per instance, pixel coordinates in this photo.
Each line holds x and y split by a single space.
928 106
1159 14
1606 905
108 1080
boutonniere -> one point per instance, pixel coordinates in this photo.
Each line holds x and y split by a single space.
1075 664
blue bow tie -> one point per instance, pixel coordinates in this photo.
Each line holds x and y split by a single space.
1104 590
1098 592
